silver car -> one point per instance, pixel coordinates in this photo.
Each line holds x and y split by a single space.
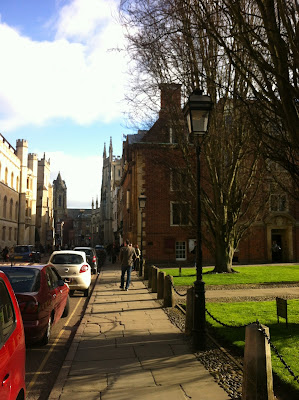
73 267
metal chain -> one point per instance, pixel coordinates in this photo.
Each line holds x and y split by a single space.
228 326
262 330
273 347
180 294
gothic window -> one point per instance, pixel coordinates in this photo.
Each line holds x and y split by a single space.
16 210
6 176
9 233
59 201
17 184
4 206
12 180
10 208
3 232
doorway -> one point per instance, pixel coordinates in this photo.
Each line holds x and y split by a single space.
277 247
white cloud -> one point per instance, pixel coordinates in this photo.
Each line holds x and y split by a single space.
81 175
74 76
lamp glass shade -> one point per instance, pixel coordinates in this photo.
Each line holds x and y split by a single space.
197 110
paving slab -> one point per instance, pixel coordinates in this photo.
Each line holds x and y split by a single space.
126 348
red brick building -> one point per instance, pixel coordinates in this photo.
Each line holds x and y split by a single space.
168 236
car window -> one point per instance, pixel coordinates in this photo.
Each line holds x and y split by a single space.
67 259
23 279
21 249
7 315
52 279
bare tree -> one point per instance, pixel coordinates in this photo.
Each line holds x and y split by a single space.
174 41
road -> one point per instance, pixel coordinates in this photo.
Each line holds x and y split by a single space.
43 363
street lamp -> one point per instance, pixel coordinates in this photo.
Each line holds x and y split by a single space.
196 111
142 202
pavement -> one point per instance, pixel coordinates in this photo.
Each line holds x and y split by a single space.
126 348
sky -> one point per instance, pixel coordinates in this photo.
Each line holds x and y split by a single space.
62 85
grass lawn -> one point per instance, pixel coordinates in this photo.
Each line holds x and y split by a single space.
245 275
286 340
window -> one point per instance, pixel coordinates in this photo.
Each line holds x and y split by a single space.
9 234
180 250
16 233
172 136
11 180
10 208
179 213
6 176
4 206
178 179
59 201
278 202
17 186
16 210
7 316
3 232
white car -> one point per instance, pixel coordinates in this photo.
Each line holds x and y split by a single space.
73 268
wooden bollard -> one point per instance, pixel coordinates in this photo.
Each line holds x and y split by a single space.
160 284
257 371
189 311
154 279
145 271
150 270
168 292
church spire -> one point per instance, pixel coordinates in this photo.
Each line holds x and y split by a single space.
104 152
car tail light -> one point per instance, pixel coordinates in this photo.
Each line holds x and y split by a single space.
84 268
29 307
94 259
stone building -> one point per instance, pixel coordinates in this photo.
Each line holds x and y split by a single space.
60 207
111 176
18 194
44 205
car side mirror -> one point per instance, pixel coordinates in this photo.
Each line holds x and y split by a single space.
61 282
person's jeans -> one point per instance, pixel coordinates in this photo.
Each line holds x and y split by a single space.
124 270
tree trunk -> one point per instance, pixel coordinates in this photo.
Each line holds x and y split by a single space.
224 257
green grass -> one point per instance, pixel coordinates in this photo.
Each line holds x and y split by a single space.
286 340
246 275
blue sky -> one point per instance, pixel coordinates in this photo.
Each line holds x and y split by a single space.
62 86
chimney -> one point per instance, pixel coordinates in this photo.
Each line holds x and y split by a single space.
170 98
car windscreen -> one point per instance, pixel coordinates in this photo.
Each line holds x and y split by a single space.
66 259
21 249
23 279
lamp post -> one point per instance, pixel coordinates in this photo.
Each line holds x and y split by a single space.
142 202
196 111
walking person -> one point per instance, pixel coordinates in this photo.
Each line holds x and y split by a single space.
137 259
127 257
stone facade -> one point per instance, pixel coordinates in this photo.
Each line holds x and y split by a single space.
111 176
19 182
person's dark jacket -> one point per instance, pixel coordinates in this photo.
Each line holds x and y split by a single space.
127 256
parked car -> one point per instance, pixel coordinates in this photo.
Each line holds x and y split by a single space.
43 299
26 253
91 257
101 254
74 269
12 344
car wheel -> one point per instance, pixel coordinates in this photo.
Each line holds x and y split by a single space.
86 292
46 338
66 308
72 293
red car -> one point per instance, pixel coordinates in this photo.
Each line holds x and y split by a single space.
43 298
12 345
